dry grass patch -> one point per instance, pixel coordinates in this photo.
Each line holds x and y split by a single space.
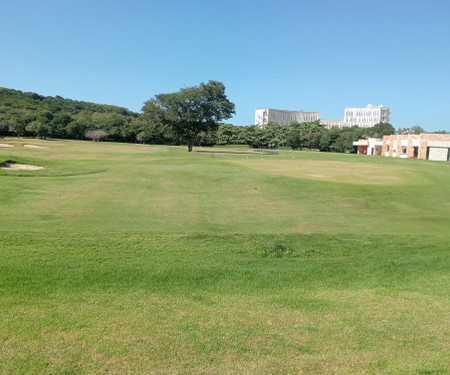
33 146
351 172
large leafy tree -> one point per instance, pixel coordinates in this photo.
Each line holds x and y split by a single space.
191 111
251 135
272 135
19 121
59 124
381 129
226 134
306 134
294 137
40 128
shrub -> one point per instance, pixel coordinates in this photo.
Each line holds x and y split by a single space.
96 135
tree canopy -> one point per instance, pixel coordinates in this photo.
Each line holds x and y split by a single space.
190 116
27 113
191 111
416 129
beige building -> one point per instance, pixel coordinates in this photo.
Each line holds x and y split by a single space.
370 146
423 146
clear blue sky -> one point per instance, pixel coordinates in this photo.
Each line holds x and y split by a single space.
320 55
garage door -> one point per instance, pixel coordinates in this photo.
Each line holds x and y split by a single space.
438 153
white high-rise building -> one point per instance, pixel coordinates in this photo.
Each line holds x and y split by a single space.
366 117
332 123
265 115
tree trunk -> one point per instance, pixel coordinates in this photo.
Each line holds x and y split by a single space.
189 147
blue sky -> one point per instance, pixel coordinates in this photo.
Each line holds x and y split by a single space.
320 55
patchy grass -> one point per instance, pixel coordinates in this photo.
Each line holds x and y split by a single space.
350 171
168 262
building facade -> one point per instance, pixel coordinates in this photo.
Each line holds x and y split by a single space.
366 117
265 115
423 146
369 146
333 123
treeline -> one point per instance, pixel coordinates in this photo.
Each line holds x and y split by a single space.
310 135
30 114
296 136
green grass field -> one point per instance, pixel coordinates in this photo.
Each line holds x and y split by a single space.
137 259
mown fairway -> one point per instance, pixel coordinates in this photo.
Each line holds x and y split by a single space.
137 259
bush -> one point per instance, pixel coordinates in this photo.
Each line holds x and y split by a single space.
96 135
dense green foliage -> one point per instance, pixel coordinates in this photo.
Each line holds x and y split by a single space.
310 135
411 130
32 114
55 117
136 259
190 116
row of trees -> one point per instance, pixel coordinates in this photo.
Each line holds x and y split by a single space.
416 129
295 136
190 116
44 124
30 114
183 117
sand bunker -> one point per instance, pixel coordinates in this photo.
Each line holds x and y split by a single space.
5 145
18 167
33 146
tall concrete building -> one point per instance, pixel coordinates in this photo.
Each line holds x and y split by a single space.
265 115
366 117
333 123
